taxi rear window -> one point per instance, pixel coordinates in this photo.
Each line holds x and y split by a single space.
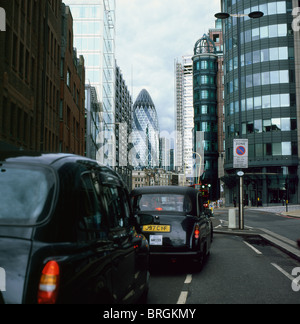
163 202
26 194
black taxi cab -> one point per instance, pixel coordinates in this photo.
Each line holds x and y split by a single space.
174 221
66 233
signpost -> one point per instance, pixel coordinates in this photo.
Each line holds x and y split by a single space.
240 161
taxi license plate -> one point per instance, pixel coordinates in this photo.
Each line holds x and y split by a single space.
157 228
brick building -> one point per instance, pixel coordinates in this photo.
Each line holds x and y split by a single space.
30 78
72 91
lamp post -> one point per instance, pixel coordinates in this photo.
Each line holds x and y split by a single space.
223 16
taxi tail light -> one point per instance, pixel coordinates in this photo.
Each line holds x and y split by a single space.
197 232
49 283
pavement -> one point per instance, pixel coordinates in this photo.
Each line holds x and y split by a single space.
284 244
293 210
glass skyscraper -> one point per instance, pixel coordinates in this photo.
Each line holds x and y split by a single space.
94 38
145 133
260 100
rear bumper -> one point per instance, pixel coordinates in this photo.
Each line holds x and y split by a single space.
188 256
172 254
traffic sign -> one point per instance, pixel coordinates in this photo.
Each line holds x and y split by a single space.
241 150
240 154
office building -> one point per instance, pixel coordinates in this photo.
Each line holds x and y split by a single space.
94 38
94 116
200 112
178 150
205 70
184 116
260 100
145 133
123 128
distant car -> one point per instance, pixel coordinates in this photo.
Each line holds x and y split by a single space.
174 222
66 233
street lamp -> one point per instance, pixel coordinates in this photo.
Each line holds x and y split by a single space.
223 16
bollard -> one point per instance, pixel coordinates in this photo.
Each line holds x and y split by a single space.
232 224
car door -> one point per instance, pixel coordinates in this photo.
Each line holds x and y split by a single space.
123 258
93 264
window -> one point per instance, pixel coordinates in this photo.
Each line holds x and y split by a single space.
92 222
204 65
257 102
258 126
68 78
274 77
114 206
276 149
265 78
249 103
286 148
26 194
272 8
250 127
268 149
255 34
264 32
275 100
259 152
285 124
284 76
276 124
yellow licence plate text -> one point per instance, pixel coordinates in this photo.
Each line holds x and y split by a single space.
157 228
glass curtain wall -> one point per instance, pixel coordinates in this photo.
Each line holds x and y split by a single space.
268 100
94 38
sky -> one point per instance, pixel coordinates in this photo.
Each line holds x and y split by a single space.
150 36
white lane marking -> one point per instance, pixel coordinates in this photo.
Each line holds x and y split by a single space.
253 248
182 298
283 271
188 279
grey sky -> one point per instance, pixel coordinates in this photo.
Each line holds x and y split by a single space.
151 34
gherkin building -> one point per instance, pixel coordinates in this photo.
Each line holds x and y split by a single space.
145 133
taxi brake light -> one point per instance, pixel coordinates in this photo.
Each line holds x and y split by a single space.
49 283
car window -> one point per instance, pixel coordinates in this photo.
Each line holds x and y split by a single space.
117 210
163 202
26 194
93 222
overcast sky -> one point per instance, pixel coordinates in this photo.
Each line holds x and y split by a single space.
150 36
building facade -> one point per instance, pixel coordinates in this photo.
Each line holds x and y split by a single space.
205 70
32 80
94 38
123 128
178 156
93 116
72 92
184 116
260 100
